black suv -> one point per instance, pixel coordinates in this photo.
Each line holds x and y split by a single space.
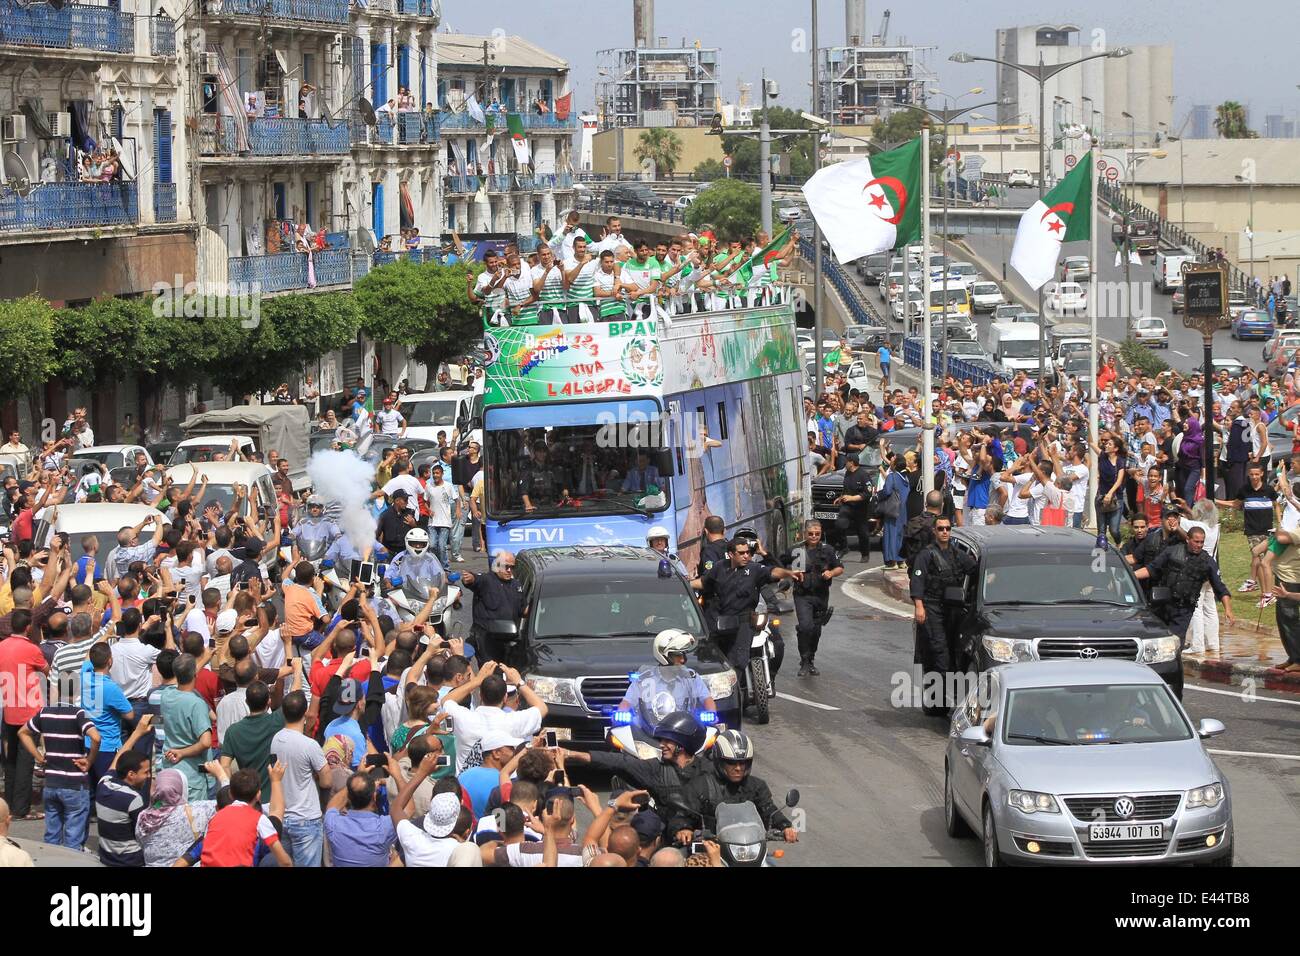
637 195
593 613
1042 593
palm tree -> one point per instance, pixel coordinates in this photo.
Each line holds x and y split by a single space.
661 146
1230 121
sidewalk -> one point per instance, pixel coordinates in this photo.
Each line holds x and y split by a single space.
1244 654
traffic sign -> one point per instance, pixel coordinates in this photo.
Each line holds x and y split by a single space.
1070 160
1112 173
726 162
1101 165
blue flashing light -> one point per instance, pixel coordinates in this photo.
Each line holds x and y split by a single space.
327 565
707 717
454 577
397 582
623 717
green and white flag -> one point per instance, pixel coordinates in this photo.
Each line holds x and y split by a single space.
869 205
518 139
1063 215
764 256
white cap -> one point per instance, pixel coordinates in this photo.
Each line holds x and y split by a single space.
227 621
496 739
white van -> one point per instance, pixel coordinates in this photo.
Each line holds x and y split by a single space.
223 476
102 521
1015 347
428 413
1168 270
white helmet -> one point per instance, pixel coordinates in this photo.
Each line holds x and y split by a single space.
658 531
417 541
673 641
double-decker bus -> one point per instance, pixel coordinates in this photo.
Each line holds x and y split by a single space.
595 432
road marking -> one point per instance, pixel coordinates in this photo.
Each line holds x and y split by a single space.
1183 354
1240 696
800 700
1252 753
852 586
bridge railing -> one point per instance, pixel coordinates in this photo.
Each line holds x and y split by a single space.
914 357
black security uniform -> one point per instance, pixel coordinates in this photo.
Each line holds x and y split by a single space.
812 596
707 791
542 484
1185 574
494 600
664 781
935 570
918 534
858 482
733 593
711 553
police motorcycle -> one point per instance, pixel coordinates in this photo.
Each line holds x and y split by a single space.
410 591
311 549
740 830
633 731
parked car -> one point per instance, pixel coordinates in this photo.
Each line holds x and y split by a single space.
1253 324
1151 331
986 296
1176 303
1084 762
1279 349
1020 177
683 203
1232 366
790 214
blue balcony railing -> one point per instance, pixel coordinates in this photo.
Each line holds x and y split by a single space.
549 121
500 184
72 28
553 181
404 129
162 36
418 8
278 136
303 11
164 202
70 206
287 271
464 121
462 185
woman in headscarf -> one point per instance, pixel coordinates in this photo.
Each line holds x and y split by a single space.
915 478
1189 459
987 414
338 752
894 488
171 826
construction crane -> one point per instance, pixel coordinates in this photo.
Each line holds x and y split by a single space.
884 29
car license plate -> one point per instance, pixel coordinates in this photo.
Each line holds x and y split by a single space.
826 515
1108 832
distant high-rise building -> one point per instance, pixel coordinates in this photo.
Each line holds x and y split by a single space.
1273 126
1202 122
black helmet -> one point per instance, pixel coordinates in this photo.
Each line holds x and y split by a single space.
683 730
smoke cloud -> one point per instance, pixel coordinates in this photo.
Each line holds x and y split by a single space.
344 481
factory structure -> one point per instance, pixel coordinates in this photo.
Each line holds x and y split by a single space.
868 76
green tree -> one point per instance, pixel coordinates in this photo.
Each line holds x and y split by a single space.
421 307
905 125
710 170
1230 121
663 147
731 206
26 346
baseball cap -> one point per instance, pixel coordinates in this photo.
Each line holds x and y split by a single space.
227 621
399 493
495 739
440 820
1172 510
351 693
647 825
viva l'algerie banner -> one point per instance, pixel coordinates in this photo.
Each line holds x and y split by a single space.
1063 215
866 206
545 364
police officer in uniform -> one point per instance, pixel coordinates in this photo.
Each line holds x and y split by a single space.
731 592
713 550
657 540
854 502
938 567
543 484
918 533
1184 569
820 565
315 533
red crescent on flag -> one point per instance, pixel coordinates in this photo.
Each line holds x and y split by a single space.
899 190
1067 206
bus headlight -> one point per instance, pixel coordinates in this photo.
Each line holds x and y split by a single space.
722 684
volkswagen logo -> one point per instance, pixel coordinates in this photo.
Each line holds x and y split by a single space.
1124 807
1088 653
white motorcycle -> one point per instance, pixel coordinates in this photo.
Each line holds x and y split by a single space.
623 737
412 593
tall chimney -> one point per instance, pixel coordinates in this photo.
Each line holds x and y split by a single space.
643 23
855 22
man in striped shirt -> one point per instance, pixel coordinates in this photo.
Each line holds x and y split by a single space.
580 280
118 803
548 285
65 669
64 730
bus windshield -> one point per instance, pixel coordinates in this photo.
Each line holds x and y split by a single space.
590 460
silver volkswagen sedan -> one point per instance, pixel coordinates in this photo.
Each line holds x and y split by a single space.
1084 762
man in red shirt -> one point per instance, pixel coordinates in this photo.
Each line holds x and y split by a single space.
22 666
241 834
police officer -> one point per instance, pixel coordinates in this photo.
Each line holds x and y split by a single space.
938 567
657 540
714 548
496 598
1158 540
731 592
854 502
820 565
1184 569
918 533
544 483
315 533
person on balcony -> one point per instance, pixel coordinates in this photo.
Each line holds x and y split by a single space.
405 101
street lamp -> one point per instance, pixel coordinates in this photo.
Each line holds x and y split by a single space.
1040 72
1250 188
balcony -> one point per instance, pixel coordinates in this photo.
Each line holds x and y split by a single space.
164 202
462 185
500 184
70 206
463 121
73 28
559 181
287 271
162 36
404 129
419 8
296 11
273 136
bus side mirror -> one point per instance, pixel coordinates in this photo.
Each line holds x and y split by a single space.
664 461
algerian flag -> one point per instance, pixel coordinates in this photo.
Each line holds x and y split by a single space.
517 138
869 205
763 256
475 111
1063 215
832 358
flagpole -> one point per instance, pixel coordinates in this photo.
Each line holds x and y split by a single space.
927 433
1094 393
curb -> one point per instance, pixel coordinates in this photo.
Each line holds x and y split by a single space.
1231 673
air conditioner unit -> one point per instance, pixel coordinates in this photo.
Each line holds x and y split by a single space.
60 124
13 128
210 63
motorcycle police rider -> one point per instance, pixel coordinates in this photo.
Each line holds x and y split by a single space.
938 567
657 540
731 592
315 534
820 565
681 739
417 561
730 782
668 685
1185 569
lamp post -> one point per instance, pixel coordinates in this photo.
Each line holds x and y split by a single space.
817 236
1250 222
1041 72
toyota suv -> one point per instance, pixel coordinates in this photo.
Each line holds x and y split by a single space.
1043 593
593 612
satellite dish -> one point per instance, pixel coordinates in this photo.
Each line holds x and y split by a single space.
16 174
366 241
367 112
282 60
328 117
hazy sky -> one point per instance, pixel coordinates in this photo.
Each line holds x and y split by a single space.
1218 49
